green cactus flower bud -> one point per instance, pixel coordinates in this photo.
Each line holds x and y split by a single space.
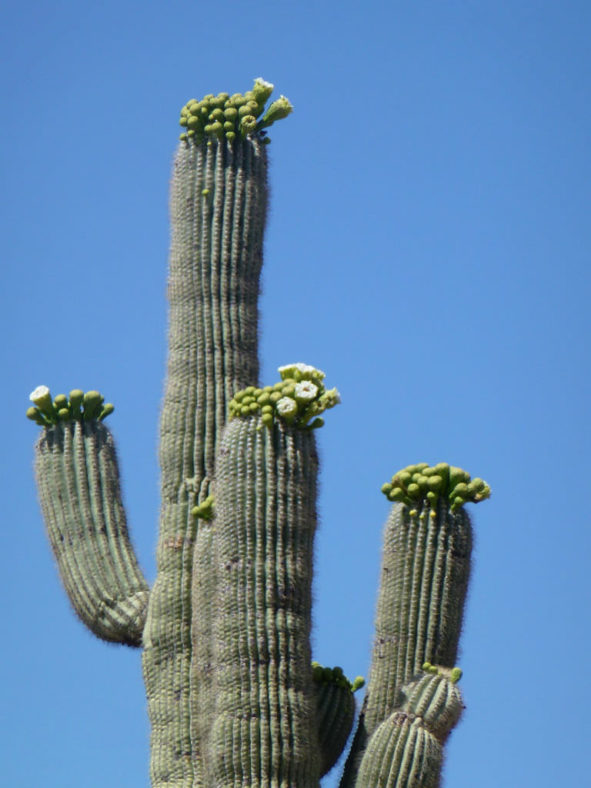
35 415
403 478
205 510
248 124
460 489
457 475
93 402
194 124
262 90
108 408
455 675
434 483
279 109
60 401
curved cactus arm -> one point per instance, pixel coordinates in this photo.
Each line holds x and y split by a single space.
335 711
406 749
78 481
423 586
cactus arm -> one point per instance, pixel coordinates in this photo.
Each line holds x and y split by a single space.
264 724
78 481
407 747
335 712
423 586
218 206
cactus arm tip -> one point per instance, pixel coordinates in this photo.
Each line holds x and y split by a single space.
79 406
297 399
230 117
421 482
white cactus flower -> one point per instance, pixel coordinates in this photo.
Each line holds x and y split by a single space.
40 394
336 395
264 84
305 391
306 371
286 406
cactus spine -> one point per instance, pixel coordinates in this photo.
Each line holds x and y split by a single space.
233 696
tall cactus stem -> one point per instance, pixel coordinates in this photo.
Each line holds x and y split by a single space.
218 207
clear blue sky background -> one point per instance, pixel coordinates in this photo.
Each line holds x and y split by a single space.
428 246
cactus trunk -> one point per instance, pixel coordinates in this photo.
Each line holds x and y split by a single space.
218 206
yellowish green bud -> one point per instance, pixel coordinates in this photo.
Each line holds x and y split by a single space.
279 109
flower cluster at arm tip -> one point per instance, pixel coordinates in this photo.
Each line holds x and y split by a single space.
78 406
231 117
422 482
297 399
324 675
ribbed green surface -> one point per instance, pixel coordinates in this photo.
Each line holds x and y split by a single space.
424 581
401 754
405 751
215 261
436 700
78 481
335 710
264 726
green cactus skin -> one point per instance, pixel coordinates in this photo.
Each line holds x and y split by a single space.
263 537
78 479
215 263
335 712
407 747
424 581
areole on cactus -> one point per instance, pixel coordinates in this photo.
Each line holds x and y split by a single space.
234 698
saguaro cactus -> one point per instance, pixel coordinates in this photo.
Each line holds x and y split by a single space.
234 698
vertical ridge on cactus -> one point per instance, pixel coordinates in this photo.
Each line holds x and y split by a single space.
234 699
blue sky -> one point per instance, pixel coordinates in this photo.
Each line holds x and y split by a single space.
428 247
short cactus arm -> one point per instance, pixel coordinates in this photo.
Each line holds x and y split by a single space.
78 481
424 582
407 747
335 711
